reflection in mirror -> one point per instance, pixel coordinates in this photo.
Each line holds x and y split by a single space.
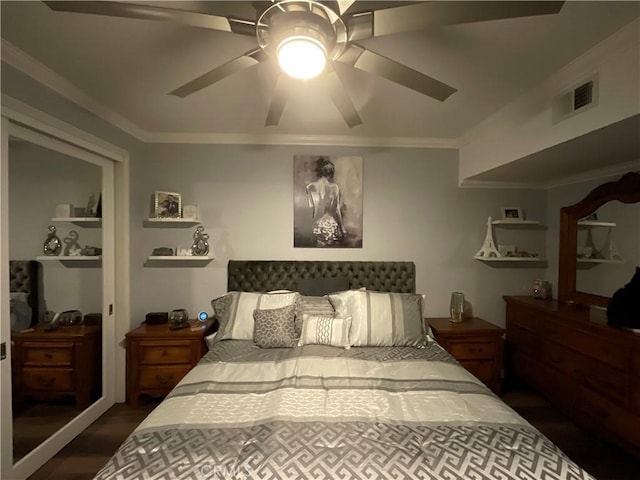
608 248
56 362
600 242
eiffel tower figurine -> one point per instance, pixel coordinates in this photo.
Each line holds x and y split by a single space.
488 249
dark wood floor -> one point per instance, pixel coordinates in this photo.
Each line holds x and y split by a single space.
83 457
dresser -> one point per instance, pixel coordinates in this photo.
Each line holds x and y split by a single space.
588 370
57 363
158 357
476 344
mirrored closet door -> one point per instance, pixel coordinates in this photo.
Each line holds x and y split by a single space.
58 246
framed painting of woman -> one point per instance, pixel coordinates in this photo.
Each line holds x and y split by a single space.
327 201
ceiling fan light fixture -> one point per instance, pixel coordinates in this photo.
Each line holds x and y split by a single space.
301 56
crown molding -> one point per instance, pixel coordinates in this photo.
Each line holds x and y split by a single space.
42 74
591 175
470 183
295 139
597 174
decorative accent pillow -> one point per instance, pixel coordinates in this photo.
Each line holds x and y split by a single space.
274 328
311 306
20 311
234 311
381 318
325 330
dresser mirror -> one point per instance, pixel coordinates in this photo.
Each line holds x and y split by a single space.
56 365
600 242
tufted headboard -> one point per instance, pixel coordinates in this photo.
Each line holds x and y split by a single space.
26 276
267 275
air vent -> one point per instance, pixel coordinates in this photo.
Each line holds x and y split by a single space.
577 99
582 95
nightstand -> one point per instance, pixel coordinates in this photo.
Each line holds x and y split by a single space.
58 363
158 357
476 344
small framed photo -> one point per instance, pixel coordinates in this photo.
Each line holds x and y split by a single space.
94 202
167 205
512 214
190 212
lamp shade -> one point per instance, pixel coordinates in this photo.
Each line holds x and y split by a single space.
301 56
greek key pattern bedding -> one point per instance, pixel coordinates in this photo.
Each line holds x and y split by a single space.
329 413
282 450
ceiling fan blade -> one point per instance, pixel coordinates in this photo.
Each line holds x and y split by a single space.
247 60
423 15
359 57
341 99
278 101
149 12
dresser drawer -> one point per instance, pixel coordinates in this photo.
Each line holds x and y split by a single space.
165 377
482 370
609 382
635 361
48 379
162 353
527 319
522 337
596 411
46 354
604 350
473 350
635 396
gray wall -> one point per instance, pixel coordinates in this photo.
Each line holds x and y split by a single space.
413 210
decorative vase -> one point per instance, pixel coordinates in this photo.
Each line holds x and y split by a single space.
457 306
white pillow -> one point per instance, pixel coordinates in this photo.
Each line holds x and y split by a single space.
382 318
234 311
325 330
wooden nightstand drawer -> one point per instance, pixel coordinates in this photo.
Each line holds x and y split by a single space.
161 353
53 364
476 344
482 370
48 379
158 357
165 377
48 355
473 350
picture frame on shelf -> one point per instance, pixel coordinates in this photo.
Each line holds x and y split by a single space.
191 212
167 204
512 214
94 205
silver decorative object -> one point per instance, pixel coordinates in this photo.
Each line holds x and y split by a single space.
200 245
52 244
72 248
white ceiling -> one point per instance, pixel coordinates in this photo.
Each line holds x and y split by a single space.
130 65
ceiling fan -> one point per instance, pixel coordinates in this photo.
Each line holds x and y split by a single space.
308 36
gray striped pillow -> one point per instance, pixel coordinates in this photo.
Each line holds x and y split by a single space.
309 305
381 318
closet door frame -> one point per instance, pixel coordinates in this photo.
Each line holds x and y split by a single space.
22 121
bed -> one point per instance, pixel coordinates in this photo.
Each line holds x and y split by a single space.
386 402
